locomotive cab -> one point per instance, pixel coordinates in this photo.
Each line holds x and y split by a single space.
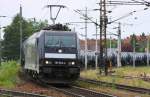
60 56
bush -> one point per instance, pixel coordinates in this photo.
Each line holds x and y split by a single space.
8 74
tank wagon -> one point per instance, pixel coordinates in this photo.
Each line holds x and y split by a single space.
52 56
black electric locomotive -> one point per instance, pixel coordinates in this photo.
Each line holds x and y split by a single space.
52 56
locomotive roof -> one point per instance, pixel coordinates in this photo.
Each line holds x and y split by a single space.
38 34
63 32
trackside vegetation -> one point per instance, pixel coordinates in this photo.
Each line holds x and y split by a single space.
120 76
11 43
9 74
130 71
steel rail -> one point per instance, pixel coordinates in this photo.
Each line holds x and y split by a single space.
118 86
65 91
80 92
10 93
51 87
89 92
75 91
72 91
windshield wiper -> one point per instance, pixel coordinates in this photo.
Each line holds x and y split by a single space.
61 44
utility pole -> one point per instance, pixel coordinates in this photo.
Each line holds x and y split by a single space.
86 38
134 57
96 50
103 25
85 44
134 44
148 50
110 45
103 44
119 46
20 33
1 41
86 18
0 46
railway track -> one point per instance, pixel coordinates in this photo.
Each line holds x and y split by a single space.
118 86
11 93
71 91
74 91
143 77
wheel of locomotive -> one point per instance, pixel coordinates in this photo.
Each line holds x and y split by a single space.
33 74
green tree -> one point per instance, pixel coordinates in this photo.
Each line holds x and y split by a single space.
133 41
113 43
142 42
37 25
11 42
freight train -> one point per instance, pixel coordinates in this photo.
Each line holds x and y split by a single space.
52 56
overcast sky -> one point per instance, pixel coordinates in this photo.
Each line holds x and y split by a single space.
35 8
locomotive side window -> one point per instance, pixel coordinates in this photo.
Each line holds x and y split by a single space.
60 41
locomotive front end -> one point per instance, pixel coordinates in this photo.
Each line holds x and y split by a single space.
60 56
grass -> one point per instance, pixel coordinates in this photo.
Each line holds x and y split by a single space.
124 71
130 71
8 74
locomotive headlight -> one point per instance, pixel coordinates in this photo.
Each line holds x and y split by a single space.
73 63
46 62
60 51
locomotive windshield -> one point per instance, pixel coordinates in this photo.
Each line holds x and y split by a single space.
60 41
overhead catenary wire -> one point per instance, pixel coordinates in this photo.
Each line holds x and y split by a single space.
133 2
77 11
